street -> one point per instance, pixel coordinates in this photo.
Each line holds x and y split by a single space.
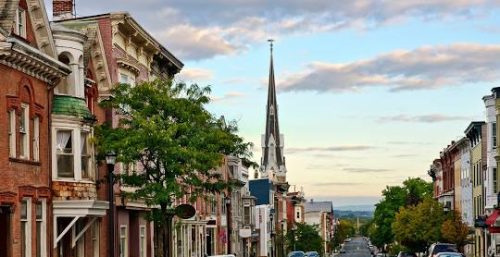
357 247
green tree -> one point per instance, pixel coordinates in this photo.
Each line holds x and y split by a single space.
418 226
412 192
455 231
166 130
304 238
344 229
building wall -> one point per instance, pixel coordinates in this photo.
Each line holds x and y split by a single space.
466 185
23 177
458 184
490 162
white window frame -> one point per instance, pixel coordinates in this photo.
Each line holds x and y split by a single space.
84 140
25 132
36 138
71 131
123 241
26 227
494 134
20 28
42 233
142 241
12 133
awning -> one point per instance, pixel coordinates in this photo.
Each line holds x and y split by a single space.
490 221
76 209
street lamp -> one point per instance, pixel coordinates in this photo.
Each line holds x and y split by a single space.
271 217
110 162
294 228
227 202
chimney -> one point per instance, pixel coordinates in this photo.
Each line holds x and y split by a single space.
63 9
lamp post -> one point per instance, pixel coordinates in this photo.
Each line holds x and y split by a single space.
110 162
271 217
227 202
294 228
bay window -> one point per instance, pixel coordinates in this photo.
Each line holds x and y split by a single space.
64 152
85 155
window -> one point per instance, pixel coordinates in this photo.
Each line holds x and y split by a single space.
123 242
298 215
26 227
64 153
85 156
36 139
41 228
24 131
20 28
12 133
123 78
142 241
494 134
495 176
246 215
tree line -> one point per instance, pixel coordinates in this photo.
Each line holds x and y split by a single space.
408 218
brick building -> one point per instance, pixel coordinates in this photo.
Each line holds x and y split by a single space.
29 70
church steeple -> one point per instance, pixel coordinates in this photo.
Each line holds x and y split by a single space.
273 162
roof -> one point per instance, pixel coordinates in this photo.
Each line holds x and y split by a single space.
260 189
324 206
71 106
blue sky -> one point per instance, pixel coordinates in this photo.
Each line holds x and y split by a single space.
369 91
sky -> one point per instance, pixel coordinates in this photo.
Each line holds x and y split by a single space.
369 91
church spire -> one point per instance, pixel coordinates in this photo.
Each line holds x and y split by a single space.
272 159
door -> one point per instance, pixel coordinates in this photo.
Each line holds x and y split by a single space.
5 227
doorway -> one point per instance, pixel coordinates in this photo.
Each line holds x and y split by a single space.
5 227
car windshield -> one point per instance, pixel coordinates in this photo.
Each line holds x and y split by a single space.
296 254
449 255
445 248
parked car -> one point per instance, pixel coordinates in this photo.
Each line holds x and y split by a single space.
381 255
406 254
296 254
342 250
312 254
449 254
436 248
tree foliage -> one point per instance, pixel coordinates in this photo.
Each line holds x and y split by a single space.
413 191
176 143
344 229
455 231
417 226
304 238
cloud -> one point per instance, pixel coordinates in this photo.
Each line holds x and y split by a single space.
365 170
228 97
195 29
427 67
293 150
430 118
195 74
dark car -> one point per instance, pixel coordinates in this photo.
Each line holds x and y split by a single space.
296 254
406 254
436 248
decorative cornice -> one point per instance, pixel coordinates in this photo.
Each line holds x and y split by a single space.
123 63
20 56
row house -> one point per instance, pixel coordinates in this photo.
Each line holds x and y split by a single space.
321 214
116 49
29 71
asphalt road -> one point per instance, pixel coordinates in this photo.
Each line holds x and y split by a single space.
357 247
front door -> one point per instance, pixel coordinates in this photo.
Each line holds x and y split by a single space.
6 231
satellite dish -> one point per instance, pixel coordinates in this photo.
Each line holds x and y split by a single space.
185 211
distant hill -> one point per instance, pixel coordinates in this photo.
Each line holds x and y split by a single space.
366 207
353 211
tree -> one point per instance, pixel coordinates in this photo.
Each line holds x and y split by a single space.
177 144
304 238
345 229
455 231
412 192
418 226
